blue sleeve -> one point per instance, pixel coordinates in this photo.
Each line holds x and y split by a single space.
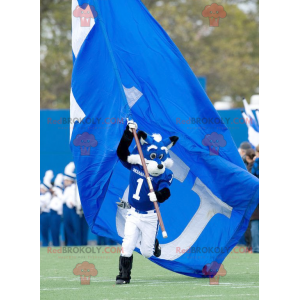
166 181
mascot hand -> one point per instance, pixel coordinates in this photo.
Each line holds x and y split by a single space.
163 195
122 204
131 125
152 196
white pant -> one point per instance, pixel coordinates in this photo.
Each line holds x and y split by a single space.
143 226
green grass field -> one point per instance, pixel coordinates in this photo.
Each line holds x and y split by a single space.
149 281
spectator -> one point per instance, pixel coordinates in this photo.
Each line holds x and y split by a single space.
255 168
252 233
249 157
242 150
254 220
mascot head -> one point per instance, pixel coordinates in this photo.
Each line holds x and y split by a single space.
156 152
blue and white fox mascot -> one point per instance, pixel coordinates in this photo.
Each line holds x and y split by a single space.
141 220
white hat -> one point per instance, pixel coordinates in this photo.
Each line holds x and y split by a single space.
47 179
59 180
69 172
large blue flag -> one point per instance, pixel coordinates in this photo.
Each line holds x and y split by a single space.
125 65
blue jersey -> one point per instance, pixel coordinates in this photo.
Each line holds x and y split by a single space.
139 190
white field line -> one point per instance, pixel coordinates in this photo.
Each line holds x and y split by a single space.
130 286
53 277
207 285
141 280
141 277
244 287
232 287
160 282
195 296
58 289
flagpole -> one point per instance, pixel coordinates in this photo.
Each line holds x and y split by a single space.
161 223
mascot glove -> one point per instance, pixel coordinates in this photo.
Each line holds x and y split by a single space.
132 125
152 197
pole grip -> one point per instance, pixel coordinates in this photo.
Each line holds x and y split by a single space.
160 220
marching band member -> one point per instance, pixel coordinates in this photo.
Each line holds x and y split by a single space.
71 219
56 209
45 198
84 227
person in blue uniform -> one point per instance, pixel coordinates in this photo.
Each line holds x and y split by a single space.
45 198
56 209
84 227
141 221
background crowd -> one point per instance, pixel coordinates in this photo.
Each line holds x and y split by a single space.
61 216
251 160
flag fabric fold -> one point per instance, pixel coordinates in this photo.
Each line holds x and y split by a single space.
126 66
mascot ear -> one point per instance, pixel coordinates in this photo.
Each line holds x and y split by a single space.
170 142
142 135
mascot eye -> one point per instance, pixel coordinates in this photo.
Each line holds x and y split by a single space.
161 156
152 155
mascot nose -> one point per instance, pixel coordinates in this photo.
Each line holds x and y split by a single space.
160 166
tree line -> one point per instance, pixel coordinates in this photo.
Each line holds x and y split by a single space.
227 55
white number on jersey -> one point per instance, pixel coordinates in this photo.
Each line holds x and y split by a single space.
138 189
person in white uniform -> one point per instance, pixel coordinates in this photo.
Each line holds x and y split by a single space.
56 209
71 218
45 198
